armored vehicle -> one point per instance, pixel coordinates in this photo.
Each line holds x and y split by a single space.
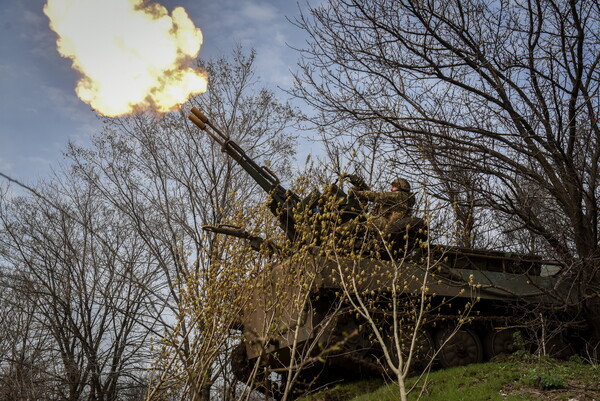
331 306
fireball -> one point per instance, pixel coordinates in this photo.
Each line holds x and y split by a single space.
131 54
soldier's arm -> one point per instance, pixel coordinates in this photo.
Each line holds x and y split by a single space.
407 199
387 198
367 195
357 181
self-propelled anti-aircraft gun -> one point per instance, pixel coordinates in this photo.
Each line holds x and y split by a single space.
283 203
302 309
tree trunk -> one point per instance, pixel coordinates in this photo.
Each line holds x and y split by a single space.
590 294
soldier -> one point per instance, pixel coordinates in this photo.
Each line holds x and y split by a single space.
391 208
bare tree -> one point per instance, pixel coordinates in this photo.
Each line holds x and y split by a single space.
25 360
506 92
83 310
169 179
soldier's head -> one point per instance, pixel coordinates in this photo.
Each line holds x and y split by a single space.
400 184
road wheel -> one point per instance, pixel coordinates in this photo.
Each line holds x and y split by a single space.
422 353
498 342
461 348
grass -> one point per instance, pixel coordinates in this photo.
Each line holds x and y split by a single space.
515 378
344 392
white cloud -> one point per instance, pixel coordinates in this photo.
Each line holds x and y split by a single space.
273 65
38 160
33 31
85 122
260 25
66 102
7 70
5 165
258 12
32 18
280 39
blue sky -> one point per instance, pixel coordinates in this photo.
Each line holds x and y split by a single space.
39 111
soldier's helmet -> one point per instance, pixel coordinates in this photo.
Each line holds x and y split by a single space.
401 184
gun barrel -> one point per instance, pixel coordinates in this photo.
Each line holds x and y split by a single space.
200 115
283 201
267 180
257 243
202 121
227 230
198 122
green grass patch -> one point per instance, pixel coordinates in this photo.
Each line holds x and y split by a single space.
346 391
474 382
510 379
545 380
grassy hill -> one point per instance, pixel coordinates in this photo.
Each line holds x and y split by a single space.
514 378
